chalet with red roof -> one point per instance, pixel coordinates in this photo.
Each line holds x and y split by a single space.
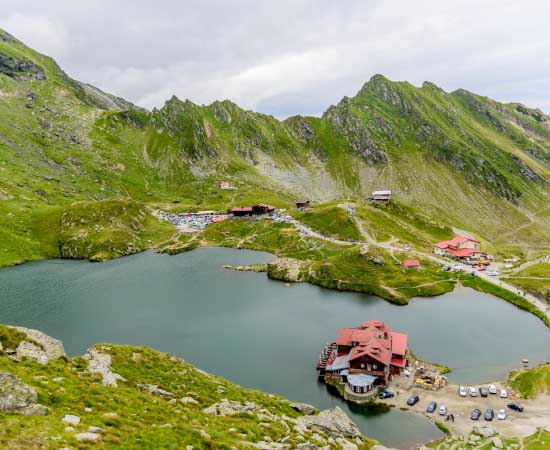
365 356
459 247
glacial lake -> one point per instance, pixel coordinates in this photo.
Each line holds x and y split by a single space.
260 333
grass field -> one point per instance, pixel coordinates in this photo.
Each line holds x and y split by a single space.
535 278
330 220
134 419
532 382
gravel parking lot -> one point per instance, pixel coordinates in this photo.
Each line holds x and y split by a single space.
536 413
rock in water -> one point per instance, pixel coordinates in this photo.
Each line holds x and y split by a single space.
304 408
18 398
331 421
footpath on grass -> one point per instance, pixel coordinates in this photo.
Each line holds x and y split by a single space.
512 294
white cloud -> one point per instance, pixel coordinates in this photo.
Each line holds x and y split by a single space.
291 56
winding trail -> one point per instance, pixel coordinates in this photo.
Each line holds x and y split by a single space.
538 303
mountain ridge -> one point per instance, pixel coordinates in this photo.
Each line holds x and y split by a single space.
457 157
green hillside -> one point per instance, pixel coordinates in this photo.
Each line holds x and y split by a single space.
451 159
156 401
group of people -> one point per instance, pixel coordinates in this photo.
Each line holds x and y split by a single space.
450 417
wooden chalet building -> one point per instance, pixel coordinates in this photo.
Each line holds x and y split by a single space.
381 197
262 208
301 204
243 211
366 356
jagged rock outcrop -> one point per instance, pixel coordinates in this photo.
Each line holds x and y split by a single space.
287 269
332 422
20 69
30 351
17 397
48 348
229 408
101 363
155 390
304 408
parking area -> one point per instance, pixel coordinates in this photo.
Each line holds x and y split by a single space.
536 412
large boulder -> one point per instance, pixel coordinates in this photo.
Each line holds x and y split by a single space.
229 408
304 408
30 351
331 421
18 398
155 390
51 348
484 430
101 363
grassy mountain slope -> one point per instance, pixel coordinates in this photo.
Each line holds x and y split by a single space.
131 417
456 159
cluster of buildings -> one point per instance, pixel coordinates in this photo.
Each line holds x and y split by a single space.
460 248
257 210
365 357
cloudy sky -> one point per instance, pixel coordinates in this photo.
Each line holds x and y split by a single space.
290 57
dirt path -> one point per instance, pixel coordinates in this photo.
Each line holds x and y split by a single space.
529 264
387 246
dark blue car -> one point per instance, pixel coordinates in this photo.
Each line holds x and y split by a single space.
386 394
431 407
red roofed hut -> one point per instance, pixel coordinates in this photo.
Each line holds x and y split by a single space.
411 264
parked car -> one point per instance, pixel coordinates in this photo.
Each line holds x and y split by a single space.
446 268
489 414
472 391
442 410
482 269
503 393
462 391
501 414
493 273
492 389
483 391
516 406
386 394
476 414
431 407
413 400
457 267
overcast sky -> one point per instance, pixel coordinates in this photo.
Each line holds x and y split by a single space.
288 57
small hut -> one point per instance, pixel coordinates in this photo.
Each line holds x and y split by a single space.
301 204
262 208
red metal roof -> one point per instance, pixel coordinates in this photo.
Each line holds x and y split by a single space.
398 362
374 339
375 349
463 251
242 209
411 263
454 242
399 343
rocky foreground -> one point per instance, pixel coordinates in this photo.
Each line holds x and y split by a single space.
134 397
